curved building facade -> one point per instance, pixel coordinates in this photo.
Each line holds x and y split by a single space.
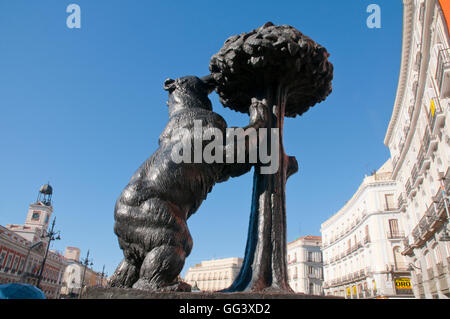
362 243
418 138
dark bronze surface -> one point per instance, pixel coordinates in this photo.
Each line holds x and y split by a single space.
291 73
151 213
269 73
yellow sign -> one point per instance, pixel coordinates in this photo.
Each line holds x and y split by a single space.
349 292
354 290
432 108
403 283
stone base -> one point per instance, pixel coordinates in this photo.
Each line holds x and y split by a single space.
121 293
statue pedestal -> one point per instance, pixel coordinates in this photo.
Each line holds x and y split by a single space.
121 293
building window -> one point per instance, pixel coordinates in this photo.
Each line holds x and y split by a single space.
2 259
21 266
310 270
13 268
389 200
8 262
399 260
437 254
428 260
367 238
393 228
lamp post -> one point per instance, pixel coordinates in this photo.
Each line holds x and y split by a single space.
102 276
51 235
24 272
86 262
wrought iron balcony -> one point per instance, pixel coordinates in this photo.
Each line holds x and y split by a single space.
440 269
401 203
430 273
408 187
416 235
312 275
395 235
400 267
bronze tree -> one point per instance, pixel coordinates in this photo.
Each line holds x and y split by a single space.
290 73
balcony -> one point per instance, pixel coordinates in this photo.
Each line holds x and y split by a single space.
443 72
395 235
440 269
430 273
400 267
423 162
430 140
401 203
409 189
312 276
416 235
417 179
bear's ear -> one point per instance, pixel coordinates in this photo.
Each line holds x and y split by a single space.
169 85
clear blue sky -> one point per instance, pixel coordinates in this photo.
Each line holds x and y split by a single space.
84 108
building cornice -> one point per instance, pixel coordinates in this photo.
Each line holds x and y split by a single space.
425 46
365 185
408 17
354 230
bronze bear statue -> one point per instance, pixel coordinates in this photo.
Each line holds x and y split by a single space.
151 213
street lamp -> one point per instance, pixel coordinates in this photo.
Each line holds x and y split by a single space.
103 275
24 272
86 262
51 235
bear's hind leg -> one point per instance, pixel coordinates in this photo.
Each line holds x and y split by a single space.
160 270
125 275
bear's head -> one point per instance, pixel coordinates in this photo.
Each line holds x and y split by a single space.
189 92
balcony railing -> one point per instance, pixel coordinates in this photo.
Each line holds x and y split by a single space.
351 277
430 273
408 187
416 234
401 202
395 235
312 275
440 269
401 267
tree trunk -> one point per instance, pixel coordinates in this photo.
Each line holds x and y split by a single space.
265 263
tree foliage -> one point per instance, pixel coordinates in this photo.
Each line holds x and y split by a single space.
272 58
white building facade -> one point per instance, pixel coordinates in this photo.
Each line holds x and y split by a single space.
418 138
362 243
78 276
214 275
305 268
